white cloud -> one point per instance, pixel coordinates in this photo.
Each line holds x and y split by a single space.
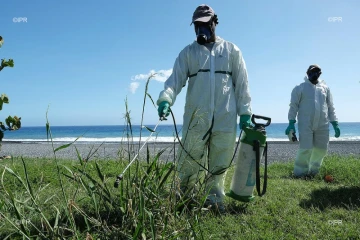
160 76
139 77
133 86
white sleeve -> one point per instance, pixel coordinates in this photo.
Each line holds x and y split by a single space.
240 80
294 103
331 108
177 79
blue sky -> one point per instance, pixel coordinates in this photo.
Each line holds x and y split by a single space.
83 58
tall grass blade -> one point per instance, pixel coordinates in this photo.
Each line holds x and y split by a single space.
143 108
47 131
152 224
27 179
147 154
56 223
170 170
128 119
137 231
151 99
66 145
101 176
79 156
149 129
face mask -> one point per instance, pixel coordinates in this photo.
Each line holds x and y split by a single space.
203 34
314 76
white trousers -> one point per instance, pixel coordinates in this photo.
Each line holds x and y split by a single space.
211 157
313 148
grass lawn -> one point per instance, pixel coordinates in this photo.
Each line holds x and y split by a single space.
67 199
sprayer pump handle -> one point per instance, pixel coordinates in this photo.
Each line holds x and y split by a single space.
253 117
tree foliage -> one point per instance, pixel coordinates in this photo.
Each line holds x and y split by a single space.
11 123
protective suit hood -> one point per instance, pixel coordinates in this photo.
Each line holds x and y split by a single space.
320 81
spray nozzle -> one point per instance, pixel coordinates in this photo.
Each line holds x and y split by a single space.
117 181
292 136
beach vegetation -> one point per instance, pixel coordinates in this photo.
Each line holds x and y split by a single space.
93 198
10 123
77 200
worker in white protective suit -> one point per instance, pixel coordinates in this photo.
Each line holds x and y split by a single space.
217 93
312 103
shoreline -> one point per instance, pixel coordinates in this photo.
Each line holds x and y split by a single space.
278 151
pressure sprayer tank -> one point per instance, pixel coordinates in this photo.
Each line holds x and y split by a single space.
244 178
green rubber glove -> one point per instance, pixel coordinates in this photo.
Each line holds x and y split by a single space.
336 128
244 121
164 110
290 127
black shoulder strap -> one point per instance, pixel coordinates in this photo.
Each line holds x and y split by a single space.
258 157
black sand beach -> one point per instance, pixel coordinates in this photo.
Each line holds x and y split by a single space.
277 151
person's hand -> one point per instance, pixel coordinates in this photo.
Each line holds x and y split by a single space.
290 127
244 121
335 125
164 110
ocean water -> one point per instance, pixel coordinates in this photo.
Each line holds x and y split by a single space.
163 133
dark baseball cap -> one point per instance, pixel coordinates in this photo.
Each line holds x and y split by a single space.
203 13
313 67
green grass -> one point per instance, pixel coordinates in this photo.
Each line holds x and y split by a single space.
76 199
144 204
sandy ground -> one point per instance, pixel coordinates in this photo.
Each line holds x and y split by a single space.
277 151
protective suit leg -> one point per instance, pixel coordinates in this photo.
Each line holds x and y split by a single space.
190 170
221 150
316 159
321 142
301 166
306 138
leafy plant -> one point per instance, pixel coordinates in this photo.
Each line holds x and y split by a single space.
11 123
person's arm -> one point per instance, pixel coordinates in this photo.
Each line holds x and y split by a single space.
240 80
332 114
177 79
294 103
294 108
331 108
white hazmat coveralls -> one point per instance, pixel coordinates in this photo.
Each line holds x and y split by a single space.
314 107
217 92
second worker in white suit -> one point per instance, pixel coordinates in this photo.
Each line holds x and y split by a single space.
312 103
